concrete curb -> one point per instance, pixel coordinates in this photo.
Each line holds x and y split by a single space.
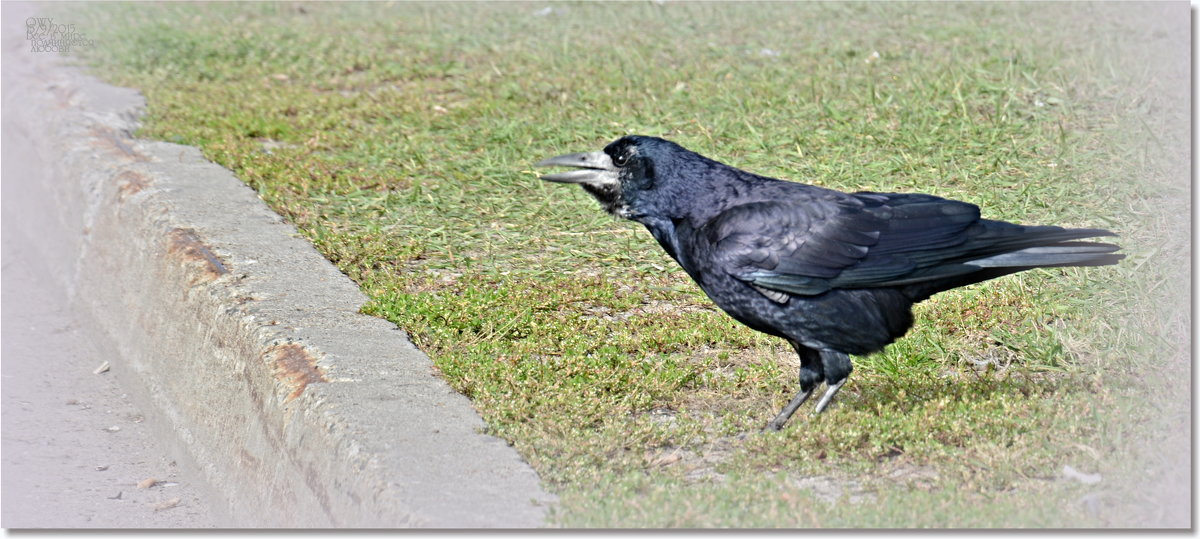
235 335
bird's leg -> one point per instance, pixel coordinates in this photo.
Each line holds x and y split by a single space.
828 396
811 374
837 368
790 409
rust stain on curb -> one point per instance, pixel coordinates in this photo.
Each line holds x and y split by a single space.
295 367
65 95
186 245
130 183
106 138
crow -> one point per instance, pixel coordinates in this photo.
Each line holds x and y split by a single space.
833 273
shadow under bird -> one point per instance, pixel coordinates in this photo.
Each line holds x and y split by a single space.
833 273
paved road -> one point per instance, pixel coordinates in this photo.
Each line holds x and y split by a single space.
73 446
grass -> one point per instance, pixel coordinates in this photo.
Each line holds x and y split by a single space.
399 137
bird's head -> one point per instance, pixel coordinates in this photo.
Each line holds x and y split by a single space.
622 176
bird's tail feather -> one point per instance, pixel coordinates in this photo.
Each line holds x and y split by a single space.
998 237
1005 249
1061 254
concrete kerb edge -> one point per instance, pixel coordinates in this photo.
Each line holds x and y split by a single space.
243 342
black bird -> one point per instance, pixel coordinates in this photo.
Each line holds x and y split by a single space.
833 273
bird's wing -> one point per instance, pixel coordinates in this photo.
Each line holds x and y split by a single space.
807 247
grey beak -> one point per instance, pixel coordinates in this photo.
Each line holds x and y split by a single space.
594 167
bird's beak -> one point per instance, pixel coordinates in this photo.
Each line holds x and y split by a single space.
594 168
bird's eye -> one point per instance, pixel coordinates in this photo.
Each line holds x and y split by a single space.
620 159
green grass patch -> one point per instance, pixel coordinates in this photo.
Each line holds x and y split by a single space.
399 138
